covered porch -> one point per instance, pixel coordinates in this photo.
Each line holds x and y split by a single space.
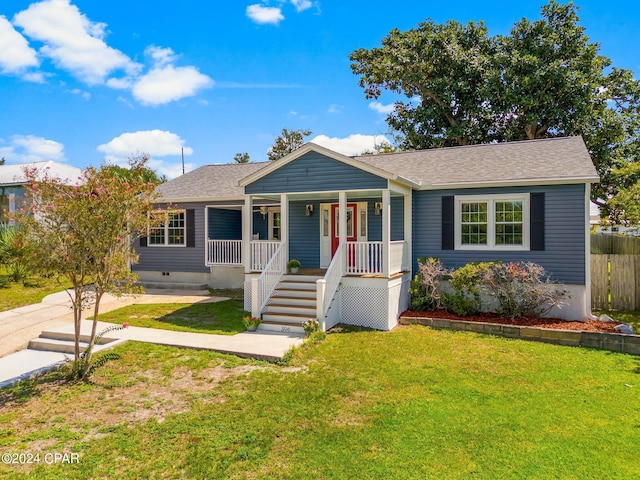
367 230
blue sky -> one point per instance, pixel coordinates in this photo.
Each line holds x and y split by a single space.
84 81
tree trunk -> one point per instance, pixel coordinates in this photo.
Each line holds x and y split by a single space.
92 339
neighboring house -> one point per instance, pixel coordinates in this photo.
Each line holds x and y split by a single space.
361 222
13 180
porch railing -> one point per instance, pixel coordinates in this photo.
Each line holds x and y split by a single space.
398 257
261 252
326 287
224 252
263 286
364 258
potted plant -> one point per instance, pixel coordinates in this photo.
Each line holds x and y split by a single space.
310 326
294 265
251 323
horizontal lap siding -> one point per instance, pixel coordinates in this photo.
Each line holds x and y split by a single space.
176 259
225 224
304 234
564 254
313 172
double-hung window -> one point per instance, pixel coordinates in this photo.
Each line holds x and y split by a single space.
170 230
499 222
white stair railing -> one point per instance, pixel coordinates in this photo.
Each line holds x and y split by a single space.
224 252
263 286
326 287
261 252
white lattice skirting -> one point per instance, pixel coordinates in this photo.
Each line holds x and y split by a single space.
374 302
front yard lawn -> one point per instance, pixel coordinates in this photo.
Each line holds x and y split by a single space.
411 403
223 318
33 290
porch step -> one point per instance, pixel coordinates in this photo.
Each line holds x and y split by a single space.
304 301
299 278
297 285
286 309
267 326
293 293
293 302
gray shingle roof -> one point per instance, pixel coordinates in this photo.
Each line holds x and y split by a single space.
553 159
563 158
209 181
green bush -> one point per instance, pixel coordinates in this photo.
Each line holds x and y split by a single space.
465 283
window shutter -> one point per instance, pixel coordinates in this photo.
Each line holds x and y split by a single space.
447 223
191 227
143 241
537 221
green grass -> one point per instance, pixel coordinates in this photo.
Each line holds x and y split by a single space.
220 317
33 290
630 317
412 403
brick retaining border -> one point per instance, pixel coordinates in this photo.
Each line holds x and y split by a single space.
615 342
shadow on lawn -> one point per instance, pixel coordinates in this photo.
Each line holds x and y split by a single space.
27 389
225 316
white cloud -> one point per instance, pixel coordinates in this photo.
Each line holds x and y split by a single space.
262 15
29 148
157 143
72 41
335 108
380 108
301 5
15 53
165 82
82 93
354 144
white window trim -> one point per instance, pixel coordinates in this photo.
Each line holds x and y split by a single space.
491 221
166 232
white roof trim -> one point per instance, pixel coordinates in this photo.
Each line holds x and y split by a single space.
510 183
309 147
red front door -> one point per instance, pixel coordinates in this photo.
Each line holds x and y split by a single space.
352 209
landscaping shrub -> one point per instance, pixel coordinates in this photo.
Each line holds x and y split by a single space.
522 289
15 253
426 287
465 283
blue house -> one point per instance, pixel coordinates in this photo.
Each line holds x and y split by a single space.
358 224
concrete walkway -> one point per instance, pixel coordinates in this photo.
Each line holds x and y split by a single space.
53 315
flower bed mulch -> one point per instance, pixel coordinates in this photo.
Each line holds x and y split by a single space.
556 323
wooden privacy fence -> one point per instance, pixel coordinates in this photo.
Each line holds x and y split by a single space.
615 282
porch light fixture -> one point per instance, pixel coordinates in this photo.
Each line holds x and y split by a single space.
308 210
263 211
378 208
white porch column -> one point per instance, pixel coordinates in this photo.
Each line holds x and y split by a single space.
284 225
386 231
247 228
407 258
342 216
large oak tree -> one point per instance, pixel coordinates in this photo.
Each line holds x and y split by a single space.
544 79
